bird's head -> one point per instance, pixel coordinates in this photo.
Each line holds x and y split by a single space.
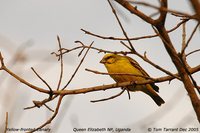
110 58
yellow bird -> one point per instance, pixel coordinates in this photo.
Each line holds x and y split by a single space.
126 66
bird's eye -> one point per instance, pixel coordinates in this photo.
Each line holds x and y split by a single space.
110 60
109 57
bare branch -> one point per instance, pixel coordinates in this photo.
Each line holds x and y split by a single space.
183 40
112 97
123 84
162 9
53 116
128 74
133 50
125 45
183 56
190 38
135 11
61 63
128 92
163 14
2 62
42 79
48 108
3 67
6 123
197 50
64 50
122 28
196 7
155 65
77 67
134 38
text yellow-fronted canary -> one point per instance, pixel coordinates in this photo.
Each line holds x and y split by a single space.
126 66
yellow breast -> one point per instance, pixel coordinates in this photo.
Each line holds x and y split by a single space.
125 67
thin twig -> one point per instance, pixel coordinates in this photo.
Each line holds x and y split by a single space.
184 46
98 88
133 50
61 63
31 107
135 11
125 45
48 108
128 74
2 62
64 50
196 6
190 38
134 38
41 79
154 65
123 84
128 92
25 82
6 123
109 98
53 116
183 56
78 67
162 9
183 39
197 50
121 26
158 67
39 104
161 19
190 75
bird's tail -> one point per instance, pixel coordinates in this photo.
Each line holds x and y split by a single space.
150 91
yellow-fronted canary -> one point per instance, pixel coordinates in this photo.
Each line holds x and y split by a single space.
122 67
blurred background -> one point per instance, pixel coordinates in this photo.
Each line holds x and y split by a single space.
28 36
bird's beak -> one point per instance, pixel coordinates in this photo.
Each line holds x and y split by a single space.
103 61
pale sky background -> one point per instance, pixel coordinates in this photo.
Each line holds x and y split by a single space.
34 25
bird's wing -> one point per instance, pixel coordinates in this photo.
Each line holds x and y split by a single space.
136 65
